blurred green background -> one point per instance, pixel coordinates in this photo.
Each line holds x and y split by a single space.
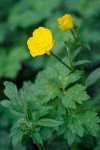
18 19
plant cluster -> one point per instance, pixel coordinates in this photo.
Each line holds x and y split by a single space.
57 102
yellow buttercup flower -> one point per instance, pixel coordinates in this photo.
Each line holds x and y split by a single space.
66 22
41 42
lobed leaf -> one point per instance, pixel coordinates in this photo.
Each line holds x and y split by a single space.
74 95
18 101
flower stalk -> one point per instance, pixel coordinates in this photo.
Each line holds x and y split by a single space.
82 69
69 54
77 41
60 60
69 57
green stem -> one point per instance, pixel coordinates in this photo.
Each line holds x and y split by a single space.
73 146
41 147
82 69
76 40
80 56
69 57
60 60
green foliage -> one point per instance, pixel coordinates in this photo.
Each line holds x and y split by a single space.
55 104
30 10
10 63
78 124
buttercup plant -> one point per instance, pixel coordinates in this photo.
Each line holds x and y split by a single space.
57 101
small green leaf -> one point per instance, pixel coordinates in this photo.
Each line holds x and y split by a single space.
80 62
5 103
85 44
93 77
76 52
49 122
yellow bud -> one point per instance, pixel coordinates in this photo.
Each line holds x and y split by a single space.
66 22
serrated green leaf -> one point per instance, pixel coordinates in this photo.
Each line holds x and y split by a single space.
34 100
16 135
49 122
18 101
93 77
68 103
11 91
73 77
48 87
61 108
80 62
90 120
57 74
75 126
75 94
71 128
43 111
5 103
